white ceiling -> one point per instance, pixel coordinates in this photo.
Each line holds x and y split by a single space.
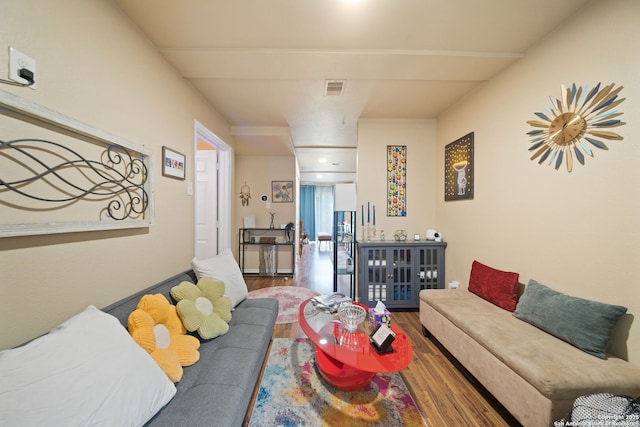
263 63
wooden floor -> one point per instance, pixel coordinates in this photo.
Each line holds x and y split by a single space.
445 392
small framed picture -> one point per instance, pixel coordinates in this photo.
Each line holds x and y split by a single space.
381 338
416 237
282 191
249 221
173 163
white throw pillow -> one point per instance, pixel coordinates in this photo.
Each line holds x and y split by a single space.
87 371
223 267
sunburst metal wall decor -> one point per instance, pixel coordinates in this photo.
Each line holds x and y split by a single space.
579 115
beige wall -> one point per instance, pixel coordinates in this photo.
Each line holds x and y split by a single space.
95 66
420 138
576 232
258 172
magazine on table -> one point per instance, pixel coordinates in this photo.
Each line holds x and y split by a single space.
330 302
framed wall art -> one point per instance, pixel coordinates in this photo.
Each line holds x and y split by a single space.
458 169
59 175
396 180
282 191
173 163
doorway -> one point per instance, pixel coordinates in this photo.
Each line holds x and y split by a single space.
212 204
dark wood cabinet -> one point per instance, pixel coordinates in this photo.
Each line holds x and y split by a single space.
395 272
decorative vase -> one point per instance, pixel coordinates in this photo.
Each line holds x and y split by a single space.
400 235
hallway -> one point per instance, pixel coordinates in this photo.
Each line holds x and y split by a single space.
314 270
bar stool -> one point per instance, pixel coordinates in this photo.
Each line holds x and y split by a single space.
324 237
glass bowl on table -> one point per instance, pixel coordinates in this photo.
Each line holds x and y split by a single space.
351 316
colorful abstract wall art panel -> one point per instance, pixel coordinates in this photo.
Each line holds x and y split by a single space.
396 180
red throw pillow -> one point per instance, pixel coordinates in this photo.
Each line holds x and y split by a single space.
496 286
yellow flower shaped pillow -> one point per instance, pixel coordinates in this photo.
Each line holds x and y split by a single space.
203 307
156 327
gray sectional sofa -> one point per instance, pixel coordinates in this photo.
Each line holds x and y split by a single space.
217 390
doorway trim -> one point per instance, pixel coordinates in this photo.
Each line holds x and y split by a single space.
201 133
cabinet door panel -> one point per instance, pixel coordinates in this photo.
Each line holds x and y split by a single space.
401 277
427 263
376 275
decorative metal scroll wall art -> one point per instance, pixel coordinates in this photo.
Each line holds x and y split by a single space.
76 179
396 180
578 114
118 177
458 169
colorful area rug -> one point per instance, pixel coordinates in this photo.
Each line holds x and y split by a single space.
289 300
292 393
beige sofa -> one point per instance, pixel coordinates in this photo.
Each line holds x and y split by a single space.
535 375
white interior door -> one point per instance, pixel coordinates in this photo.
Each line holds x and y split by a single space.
206 208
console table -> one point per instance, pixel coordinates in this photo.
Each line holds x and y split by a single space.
263 245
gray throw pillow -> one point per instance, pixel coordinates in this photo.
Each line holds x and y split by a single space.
585 324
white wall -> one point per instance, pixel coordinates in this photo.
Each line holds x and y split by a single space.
95 66
576 232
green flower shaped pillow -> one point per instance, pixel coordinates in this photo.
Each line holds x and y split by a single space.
203 307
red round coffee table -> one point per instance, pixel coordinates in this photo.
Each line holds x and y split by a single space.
345 359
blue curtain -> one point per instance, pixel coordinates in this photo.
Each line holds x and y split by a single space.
308 209
324 209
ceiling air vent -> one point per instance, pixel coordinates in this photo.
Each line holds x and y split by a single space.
334 87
